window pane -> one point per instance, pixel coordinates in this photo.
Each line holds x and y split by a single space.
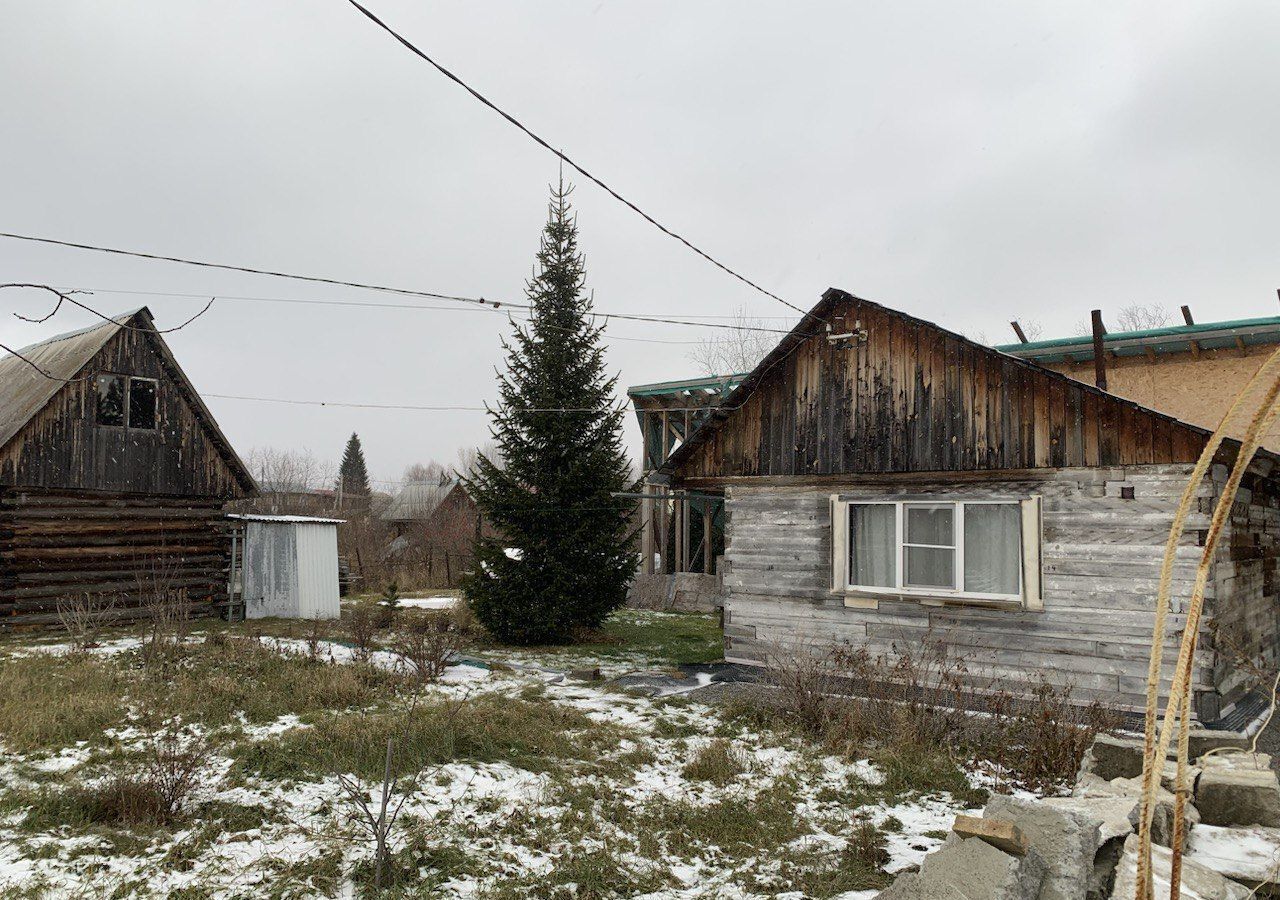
142 403
873 538
931 567
992 548
931 525
110 400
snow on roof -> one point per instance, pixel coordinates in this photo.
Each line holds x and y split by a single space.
254 517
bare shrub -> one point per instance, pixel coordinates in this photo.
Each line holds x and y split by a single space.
921 705
155 793
312 638
83 617
362 623
428 645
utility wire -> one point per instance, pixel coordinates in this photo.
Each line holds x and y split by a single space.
476 301
342 404
560 154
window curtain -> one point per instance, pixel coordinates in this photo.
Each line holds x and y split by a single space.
873 538
992 548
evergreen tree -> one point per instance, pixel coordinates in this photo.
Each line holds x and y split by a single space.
353 475
563 551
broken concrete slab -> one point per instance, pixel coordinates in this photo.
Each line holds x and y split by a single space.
904 887
1113 757
1198 882
972 869
1066 839
1227 796
1250 856
1002 835
1235 760
1118 815
1161 820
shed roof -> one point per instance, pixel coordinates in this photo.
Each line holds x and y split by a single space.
31 377
416 501
296 520
1172 339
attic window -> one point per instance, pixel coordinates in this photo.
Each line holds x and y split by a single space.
125 401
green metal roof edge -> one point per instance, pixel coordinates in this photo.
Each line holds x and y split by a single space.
1169 331
687 384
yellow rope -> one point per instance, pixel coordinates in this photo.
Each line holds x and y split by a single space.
1149 773
1154 755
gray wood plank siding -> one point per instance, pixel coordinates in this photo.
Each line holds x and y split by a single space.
1100 562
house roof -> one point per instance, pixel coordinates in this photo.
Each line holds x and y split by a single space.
416 501
806 329
1232 334
32 376
712 384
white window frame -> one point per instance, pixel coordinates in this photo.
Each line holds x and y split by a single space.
1028 595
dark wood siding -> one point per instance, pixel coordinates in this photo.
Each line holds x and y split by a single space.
62 447
911 397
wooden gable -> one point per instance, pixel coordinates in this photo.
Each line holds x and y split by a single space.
60 446
904 395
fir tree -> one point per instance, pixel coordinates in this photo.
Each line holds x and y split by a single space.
353 475
563 551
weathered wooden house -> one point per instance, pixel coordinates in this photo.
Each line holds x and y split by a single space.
113 477
889 483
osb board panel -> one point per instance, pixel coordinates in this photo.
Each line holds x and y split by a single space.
911 397
1194 390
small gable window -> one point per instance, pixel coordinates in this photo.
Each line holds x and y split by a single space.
125 401
142 403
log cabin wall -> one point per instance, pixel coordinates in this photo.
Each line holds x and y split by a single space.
121 515
1245 582
120 550
903 395
1100 557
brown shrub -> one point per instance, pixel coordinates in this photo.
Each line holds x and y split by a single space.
428 644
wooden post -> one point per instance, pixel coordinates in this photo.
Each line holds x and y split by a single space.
662 535
679 546
646 532
1017 329
1186 315
708 557
1099 359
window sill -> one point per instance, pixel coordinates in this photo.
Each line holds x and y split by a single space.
871 600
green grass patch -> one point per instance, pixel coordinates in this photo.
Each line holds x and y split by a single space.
532 735
581 874
736 827
51 701
667 639
717 763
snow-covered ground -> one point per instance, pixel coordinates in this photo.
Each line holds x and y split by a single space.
497 824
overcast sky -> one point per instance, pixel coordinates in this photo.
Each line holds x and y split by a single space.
967 163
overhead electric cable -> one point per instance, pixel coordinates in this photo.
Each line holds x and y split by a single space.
477 301
561 155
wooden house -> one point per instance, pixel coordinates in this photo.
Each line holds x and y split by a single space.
888 483
113 477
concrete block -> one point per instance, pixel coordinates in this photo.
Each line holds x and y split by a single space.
1246 760
1250 856
1114 757
1227 796
904 887
1118 815
1065 839
999 834
1162 818
974 870
1202 740
1198 882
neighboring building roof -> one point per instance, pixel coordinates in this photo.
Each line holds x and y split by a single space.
913 405
312 520
30 378
712 384
416 501
1233 334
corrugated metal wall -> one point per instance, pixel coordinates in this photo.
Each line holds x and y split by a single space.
317 570
291 570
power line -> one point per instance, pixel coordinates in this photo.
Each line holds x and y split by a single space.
476 301
411 407
560 154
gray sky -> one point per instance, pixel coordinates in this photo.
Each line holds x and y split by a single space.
968 163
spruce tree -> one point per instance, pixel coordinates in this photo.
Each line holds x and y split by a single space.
353 475
563 550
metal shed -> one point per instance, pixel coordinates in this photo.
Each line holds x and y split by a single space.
288 566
